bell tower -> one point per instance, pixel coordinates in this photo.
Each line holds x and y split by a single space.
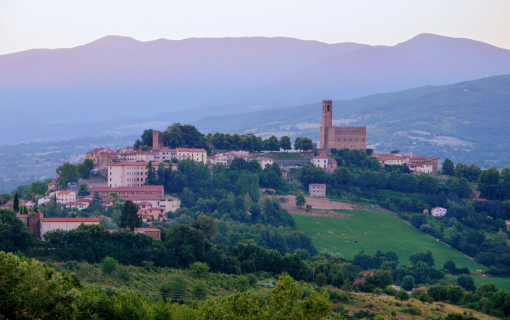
327 122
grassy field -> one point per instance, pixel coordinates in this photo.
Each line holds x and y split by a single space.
501 283
376 231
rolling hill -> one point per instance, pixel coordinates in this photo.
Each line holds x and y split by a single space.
467 121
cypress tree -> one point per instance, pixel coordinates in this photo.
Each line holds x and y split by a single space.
15 206
129 218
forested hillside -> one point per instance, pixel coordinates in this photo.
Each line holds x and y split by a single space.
466 122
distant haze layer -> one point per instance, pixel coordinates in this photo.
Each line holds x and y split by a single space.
117 77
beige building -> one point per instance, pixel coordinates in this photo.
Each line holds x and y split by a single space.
102 157
127 174
317 190
151 232
64 196
198 155
415 163
169 203
66 224
353 138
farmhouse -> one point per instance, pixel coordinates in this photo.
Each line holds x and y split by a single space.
438 212
39 225
317 190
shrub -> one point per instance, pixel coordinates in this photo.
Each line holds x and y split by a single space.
109 265
415 311
335 297
389 290
200 290
148 265
199 270
252 279
124 274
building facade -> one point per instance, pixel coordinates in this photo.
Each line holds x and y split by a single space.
353 138
317 190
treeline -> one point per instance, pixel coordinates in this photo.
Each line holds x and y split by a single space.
66 298
175 136
187 136
250 142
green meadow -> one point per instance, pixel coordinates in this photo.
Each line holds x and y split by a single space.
370 231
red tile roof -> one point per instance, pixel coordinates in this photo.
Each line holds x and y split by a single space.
129 163
126 189
190 150
71 220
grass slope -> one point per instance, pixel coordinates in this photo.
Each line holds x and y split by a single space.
376 231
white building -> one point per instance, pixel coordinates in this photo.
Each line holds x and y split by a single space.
317 190
264 161
438 212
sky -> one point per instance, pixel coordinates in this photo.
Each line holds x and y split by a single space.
28 24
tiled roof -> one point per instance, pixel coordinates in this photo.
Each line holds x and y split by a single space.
126 189
71 220
129 163
190 150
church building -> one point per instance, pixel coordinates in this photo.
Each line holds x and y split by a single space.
353 138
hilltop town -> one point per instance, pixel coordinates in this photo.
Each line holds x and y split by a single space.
179 187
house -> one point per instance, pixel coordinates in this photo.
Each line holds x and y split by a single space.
102 157
438 212
151 232
507 222
39 225
127 174
415 163
264 161
169 204
425 211
64 196
198 155
26 203
52 186
44 200
324 162
74 205
317 190
151 213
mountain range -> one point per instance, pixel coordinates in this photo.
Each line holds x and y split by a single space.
116 84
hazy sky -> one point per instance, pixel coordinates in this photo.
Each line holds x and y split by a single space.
27 24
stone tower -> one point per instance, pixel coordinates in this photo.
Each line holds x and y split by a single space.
157 139
327 122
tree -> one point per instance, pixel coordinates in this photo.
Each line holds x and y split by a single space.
147 137
207 225
15 205
466 282
272 144
174 289
89 163
300 200
130 218
408 283
83 171
450 266
14 234
67 173
285 143
460 187
402 295
303 143
448 167
83 190
109 265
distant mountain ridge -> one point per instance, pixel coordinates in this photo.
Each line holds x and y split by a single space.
119 77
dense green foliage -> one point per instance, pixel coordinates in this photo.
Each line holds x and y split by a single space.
30 290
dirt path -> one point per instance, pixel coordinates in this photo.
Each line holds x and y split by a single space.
322 204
